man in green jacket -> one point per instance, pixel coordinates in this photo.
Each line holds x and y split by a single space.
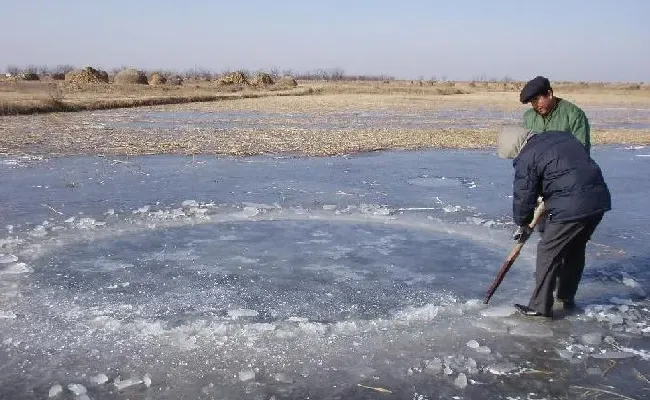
551 113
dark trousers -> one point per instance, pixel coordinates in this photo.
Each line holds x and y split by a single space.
561 257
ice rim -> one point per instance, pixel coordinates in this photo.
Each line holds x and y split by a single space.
628 316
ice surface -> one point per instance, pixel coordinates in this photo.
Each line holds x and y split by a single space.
531 330
309 274
592 339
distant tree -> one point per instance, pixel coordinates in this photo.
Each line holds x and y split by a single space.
13 69
198 74
31 69
63 69
337 74
275 73
43 70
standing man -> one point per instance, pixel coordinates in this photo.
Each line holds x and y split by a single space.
551 113
556 166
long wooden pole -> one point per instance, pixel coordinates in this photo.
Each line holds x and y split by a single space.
539 212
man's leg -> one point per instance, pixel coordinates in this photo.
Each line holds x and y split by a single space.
552 250
570 273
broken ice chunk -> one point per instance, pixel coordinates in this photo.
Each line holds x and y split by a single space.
592 339
77 389
15 269
250 211
282 377
246 375
99 379
7 315
565 354
613 355
473 344
483 349
123 384
461 381
433 366
501 369
500 311
234 314
189 203
7 258
146 380
55 391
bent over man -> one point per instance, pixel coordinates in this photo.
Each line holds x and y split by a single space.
555 166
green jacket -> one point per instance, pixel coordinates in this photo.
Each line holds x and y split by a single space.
566 116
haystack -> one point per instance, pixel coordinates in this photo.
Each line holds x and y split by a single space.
262 79
233 78
157 78
286 81
29 76
87 75
130 77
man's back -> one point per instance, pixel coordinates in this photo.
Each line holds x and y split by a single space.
570 182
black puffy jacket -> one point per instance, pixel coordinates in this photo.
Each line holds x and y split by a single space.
556 166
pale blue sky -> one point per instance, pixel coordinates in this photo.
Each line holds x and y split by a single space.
596 40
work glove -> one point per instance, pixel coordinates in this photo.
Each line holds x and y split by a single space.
521 233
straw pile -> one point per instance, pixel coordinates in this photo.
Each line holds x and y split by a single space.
232 78
131 76
87 75
286 81
262 79
157 78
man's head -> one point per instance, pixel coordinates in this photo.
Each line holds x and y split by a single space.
539 93
511 140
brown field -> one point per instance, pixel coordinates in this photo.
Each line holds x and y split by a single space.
35 117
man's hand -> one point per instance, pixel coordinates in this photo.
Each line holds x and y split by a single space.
521 233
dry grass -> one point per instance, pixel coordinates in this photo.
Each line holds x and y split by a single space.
312 125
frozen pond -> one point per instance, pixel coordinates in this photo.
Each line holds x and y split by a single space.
347 277
469 118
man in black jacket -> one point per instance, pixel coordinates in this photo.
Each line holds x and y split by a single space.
555 166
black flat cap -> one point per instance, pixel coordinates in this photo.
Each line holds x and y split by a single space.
534 87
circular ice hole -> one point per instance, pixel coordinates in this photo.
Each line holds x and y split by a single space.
268 270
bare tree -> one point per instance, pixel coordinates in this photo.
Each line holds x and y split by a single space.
13 69
43 70
337 74
63 69
31 69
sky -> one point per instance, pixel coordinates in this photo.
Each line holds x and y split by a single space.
577 40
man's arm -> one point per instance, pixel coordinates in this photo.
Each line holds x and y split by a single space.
580 129
525 194
529 116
